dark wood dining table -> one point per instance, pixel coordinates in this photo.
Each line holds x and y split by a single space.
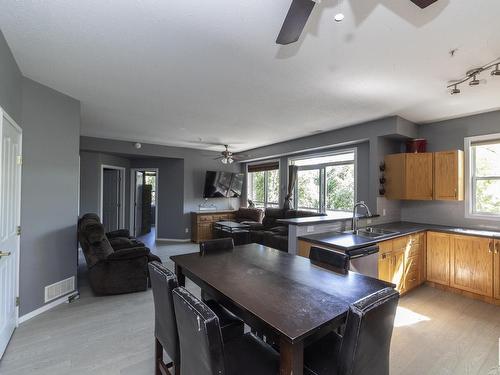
283 296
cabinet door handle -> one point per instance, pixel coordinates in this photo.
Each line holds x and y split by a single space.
497 247
490 247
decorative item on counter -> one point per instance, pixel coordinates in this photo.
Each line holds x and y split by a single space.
206 206
416 145
251 204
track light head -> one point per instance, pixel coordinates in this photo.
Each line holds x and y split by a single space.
455 90
496 71
474 81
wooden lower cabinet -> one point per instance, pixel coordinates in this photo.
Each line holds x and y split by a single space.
401 261
202 224
471 264
496 270
438 257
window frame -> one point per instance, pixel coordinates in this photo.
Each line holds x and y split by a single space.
322 168
470 183
266 178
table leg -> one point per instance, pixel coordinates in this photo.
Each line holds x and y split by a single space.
291 357
181 279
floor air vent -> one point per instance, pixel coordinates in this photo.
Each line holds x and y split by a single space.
59 289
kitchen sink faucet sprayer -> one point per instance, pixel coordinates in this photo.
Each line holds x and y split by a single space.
355 219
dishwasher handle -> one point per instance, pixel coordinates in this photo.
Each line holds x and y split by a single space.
363 251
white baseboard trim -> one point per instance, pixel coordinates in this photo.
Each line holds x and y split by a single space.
173 240
46 307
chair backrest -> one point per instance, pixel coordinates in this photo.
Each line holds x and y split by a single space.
337 262
95 244
219 244
367 337
163 282
200 337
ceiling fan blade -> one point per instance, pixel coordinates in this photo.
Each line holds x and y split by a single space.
423 3
295 21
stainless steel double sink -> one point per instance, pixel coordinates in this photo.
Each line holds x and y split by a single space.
373 233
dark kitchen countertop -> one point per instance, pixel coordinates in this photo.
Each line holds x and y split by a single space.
347 242
332 217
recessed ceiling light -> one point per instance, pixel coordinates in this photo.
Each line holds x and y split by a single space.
339 17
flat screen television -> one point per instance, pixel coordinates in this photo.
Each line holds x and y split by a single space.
223 184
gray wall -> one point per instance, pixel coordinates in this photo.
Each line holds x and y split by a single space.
49 207
196 162
382 136
170 195
51 126
10 82
449 135
363 162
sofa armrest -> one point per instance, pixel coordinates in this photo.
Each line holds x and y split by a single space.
131 253
118 233
255 226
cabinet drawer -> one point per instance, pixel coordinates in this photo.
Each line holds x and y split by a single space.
385 247
205 218
401 243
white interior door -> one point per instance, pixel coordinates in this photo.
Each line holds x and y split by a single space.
10 203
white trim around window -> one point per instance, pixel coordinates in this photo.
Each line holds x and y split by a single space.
470 178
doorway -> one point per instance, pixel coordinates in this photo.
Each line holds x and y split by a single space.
144 202
112 197
10 219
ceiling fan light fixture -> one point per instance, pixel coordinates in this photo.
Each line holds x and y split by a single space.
224 160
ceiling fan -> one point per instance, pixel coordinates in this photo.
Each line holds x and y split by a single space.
227 157
299 12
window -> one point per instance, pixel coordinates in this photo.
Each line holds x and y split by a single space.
264 184
484 176
326 183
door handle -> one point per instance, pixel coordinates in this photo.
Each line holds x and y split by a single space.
491 247
4 253
497 247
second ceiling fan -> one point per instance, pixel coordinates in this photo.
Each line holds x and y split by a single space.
300 11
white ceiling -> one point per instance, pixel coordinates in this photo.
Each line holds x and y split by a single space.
171 72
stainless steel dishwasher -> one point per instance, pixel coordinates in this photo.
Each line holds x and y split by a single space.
364 260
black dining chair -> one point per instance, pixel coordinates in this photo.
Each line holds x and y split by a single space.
163 282
202 347
364 347
329 259
217 245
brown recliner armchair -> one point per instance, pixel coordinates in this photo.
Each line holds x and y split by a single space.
112 271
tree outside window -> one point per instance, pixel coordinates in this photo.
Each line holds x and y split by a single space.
264 185
485 177
326 183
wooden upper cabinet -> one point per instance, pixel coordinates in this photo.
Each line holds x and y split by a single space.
438 257
409 176
449 175
471 265
425 176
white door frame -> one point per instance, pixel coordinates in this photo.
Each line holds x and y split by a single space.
122 192
18 252
132 197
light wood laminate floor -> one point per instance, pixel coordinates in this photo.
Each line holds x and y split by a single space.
435 333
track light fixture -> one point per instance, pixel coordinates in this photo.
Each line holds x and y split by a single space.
455 90
496 71
472 76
